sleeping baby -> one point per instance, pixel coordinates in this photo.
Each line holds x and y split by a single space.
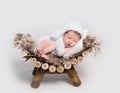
64 42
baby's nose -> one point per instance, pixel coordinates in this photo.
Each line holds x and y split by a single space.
70 41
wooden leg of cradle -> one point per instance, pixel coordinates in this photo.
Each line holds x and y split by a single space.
73 76
35 70
38 75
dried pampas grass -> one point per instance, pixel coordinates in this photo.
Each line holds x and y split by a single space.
23 41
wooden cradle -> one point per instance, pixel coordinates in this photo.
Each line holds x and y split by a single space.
56 64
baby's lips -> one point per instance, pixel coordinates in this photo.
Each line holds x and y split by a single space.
68 45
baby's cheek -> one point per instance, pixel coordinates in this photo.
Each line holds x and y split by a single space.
74 43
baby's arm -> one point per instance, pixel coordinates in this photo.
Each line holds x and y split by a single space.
60 47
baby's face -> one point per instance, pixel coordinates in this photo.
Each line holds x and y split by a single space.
70 39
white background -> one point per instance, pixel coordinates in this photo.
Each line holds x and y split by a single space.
99 74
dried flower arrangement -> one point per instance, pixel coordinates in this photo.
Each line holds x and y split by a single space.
55 64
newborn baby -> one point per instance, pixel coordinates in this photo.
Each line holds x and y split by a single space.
61 42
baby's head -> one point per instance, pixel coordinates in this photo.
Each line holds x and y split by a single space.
71 37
